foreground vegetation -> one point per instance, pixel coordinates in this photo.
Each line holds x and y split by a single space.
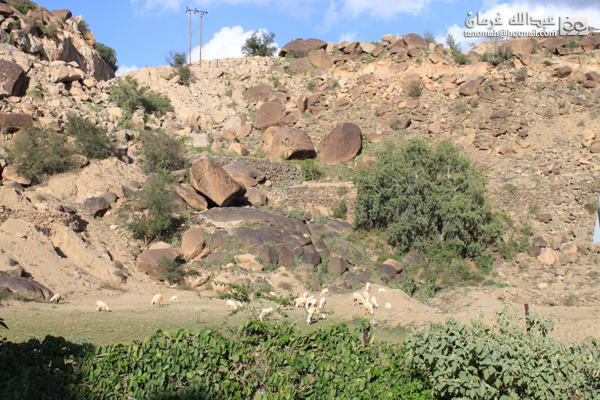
260 360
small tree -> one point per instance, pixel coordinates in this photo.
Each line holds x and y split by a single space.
260 44
429 37
177 60
108 55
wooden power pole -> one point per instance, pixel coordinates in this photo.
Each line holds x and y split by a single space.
195 10
201 15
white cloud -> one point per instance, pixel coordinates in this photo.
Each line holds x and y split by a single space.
123 70
227 43
165 5
383 9
349 36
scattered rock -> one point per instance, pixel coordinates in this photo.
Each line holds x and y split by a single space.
213 182
342 144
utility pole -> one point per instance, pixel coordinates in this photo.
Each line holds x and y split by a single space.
201 15
195 10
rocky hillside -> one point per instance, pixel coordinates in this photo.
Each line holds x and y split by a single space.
251 212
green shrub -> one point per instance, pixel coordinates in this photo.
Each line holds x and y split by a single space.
461 59
23 6
310 170
341 210
503 361
499 54
109 55
171 270
260 45
521 75
159 222
428 199
37 153
572 44
83 27
429 37
509 249
50 30
310 85
90 140
178 60
128 95
161 153
415 90
185 75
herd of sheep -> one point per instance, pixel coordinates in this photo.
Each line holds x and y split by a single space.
315 310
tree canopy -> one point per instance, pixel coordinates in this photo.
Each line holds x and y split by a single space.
260 44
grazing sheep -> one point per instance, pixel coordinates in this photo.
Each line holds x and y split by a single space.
322 302
368 287
381 290
312 301
324 292
157 300
357 298
265 312
238 304
272 294
231 304
368 308
365 295
314 314
305 295
374 302
101 306
56 298
174 299
388 305
300 301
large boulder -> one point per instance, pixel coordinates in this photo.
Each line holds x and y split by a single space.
299 65
11 78
16 121
300 48
244 174
24 286
191 197
413 40
269 114
259 92
62 13
149 260
250 238
250 216
320 59
342 144
67 73
289 143
96 206
469 88
213 182
337 265
193 242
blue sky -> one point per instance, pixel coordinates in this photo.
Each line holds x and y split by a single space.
143 31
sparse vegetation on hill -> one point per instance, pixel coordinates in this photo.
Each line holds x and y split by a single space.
177 60
429 199
161 153
129 95
90 140
37 152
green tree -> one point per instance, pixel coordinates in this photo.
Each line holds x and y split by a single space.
429 37
428 199
260 44
176 59
109 55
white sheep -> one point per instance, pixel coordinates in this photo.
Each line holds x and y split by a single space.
157 300
272 294
381 290
101 306
365 295
174 299
231 304
265 312
357 298
238 304
305 295
367 308
311 302
56 298
322 302
324 292
374 302
368 287
300 301
388 305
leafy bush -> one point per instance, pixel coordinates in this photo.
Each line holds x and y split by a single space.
128 95
50 30
499 54
521 75
429 37
177 60
109 55
415 91
260 44
83 27
455 49
23 6
91 141
341 210
37 153
572 44
310 170
503 361
159 222
461 59
428 199
161 153
171 270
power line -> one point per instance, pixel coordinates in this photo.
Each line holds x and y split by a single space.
195 11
